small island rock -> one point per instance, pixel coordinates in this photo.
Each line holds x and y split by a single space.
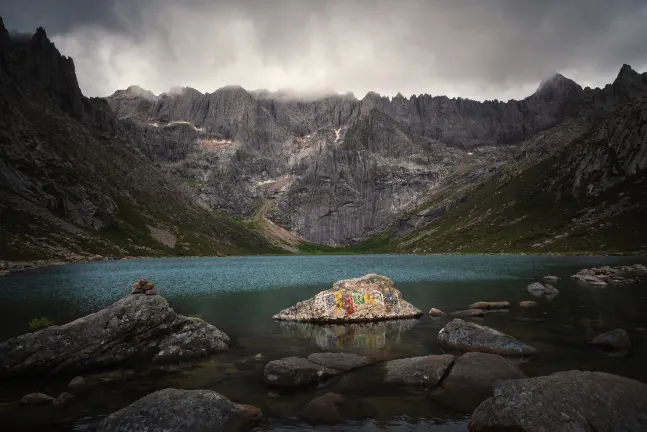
550 278
77 382
564 402
172 410
369 298
468 336
616 339
468 313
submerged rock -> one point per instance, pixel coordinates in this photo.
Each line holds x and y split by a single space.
468 313
333 408
136 329
172 410
436 313
564 402
550 278
468 336
369 298
490 305
550 290
341 361
296 372
616 339
36 399
63 399
471 379
425 371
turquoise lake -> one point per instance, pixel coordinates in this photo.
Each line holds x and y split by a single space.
239 295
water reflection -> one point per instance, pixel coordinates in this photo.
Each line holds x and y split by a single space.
358 335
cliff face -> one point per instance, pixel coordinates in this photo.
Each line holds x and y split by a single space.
72 180
591 195
336 169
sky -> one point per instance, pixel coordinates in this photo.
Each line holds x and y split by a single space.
477 49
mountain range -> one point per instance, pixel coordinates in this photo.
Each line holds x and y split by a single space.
237 171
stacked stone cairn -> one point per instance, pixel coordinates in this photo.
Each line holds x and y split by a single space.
144 287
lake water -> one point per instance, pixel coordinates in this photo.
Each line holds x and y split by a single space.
239 295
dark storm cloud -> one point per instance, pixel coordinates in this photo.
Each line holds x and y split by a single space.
472 48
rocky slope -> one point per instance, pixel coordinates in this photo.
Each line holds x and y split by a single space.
334 169
72 181
589 196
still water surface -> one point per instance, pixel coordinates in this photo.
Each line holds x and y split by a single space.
240 295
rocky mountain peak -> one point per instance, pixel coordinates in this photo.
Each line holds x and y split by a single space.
138 91
557 86
627 73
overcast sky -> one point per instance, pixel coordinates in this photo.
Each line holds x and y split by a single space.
480 49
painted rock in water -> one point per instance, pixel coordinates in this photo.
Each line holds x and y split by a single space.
369 298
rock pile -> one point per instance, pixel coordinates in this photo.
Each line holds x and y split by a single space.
602 276
144 286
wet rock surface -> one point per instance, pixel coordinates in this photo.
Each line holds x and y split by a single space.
369 298
36 399
426 371
172 410
468 336
564 402
528 304
471 379
137 329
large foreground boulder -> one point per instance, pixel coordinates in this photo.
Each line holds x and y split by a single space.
468 336
471 379
572 401
172 410
137 329
369 298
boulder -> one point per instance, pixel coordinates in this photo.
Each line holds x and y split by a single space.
425 371
550 278
36 399
333 408
436 313
172 410
77 382
471 379
340 361
528 304
616 339
468 313
468 336
369 298
564 402
490 305
137 328
295 372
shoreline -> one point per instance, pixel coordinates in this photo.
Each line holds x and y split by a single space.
8 268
